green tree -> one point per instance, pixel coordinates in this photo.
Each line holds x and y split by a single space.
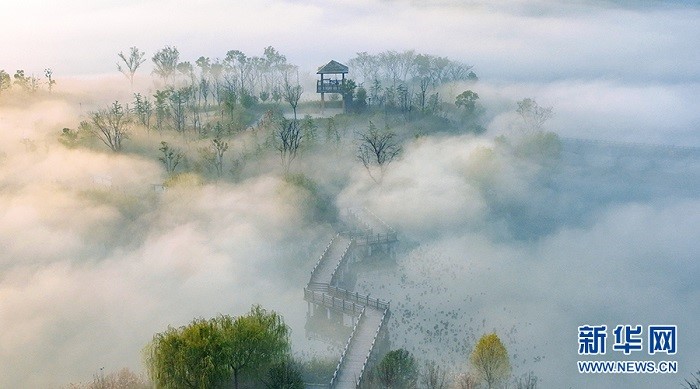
490 360
398 369
5 81
143 108
21 80
254 343
284 375
467 101
166 61
132 62
188 357
212 353
170 157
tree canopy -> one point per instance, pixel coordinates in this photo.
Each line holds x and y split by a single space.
210 353
398 369
490 360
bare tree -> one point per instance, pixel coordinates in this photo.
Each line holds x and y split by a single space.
135 59
292 94
377 149
528 381
466 381
112 125
533 115
434 377
288 138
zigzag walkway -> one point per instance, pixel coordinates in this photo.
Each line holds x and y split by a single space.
371 313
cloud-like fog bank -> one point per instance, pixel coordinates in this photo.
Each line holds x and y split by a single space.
91 269
620 250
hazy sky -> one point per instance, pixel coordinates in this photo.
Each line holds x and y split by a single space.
634 41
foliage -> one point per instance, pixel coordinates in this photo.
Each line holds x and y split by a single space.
111 125
132 62
398 369
171 157
254 343
71 138
188 357
209 353
162 108
284 375
467 100
143 108
543 147
5 81
166 61
318 370
490 360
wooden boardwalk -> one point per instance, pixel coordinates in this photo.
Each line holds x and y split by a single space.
371 313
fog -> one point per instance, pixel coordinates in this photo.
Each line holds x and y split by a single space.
93 262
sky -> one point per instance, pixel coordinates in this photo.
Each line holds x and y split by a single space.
624 71
508 40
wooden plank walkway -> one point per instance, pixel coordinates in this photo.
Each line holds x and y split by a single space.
372 312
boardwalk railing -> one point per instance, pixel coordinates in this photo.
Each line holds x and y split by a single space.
345 350
323 256
343 259
368 239
332 302
371 349
328 294
323 292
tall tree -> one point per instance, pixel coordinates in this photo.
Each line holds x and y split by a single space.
111 125
254 343
166 61
132 61
490 360
288 138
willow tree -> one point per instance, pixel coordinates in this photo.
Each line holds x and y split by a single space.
212 353
490 360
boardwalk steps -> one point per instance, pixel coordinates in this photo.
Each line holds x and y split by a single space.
369 314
